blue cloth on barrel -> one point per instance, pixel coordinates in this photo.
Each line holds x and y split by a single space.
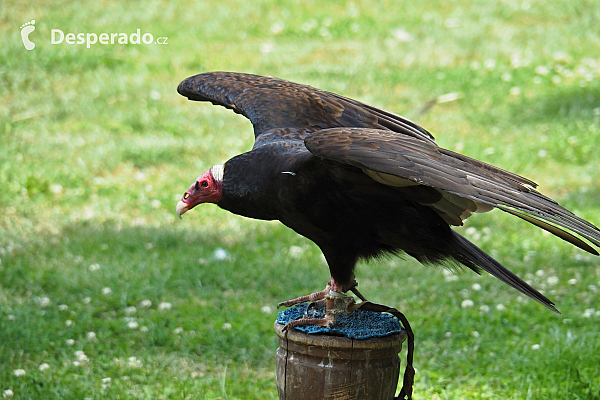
358 325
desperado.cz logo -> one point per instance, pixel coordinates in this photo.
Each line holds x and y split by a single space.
57 36
26 29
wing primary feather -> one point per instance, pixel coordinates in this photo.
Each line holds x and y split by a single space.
473 257
489 167
427 164
574 240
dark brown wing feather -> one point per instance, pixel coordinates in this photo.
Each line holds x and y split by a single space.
424 163
272 103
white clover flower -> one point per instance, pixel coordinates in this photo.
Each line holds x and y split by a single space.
178 331
490 63
468 303
133 362
132 325
81 357
8 393
155 95
476 287
475 334
266 48
500 307
226 326
540 272
130 310
535 347
164 306
448 335
295 252
552 280
19 372
221 254
402 35
266 310
106 380
86 300
63 307
70 342
94 267
542 70
484 309
43 301
144 329
572 281
106 291
145 303
11 317
43 367
91 336
588 313
69 323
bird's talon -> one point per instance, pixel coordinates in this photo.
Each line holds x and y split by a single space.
317 304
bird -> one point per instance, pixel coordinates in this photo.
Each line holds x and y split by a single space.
362 182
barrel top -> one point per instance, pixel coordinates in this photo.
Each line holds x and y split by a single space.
328 340
360 324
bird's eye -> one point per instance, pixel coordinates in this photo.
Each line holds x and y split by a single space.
204 184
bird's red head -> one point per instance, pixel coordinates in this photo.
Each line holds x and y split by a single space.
208 188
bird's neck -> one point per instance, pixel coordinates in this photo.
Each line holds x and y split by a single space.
245 190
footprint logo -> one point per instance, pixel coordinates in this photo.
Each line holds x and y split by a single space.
26 29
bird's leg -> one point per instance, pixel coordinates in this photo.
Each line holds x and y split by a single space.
311 297
336 303
335 300
332 285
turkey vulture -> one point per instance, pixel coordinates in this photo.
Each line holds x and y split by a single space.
361 182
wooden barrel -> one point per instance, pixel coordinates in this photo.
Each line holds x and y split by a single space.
318 366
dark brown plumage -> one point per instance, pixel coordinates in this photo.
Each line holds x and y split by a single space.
360 182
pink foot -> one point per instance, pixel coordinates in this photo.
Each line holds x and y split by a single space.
332 286
302 299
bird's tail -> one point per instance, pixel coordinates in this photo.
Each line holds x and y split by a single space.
475 258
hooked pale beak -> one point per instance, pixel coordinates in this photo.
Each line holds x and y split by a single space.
181 208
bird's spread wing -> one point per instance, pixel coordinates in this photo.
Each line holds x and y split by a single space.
272 104
466 185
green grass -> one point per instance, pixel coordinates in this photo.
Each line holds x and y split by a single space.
96 147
